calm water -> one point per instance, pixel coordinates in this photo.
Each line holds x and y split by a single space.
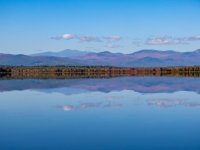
89 114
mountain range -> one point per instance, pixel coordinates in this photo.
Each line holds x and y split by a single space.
142 58
65 53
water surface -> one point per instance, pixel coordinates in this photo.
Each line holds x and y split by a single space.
113 113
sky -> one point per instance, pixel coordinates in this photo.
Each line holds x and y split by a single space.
126 26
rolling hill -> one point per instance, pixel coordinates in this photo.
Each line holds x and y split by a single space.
142 58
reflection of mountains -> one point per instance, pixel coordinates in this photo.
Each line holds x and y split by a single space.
139 84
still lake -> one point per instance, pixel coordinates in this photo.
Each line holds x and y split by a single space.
142 113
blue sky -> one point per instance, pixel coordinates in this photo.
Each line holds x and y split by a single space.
29 26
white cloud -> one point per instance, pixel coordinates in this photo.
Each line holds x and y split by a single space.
194 38
88 38
81 38
112 38
67 36
168 40
85 38
63 37
165 40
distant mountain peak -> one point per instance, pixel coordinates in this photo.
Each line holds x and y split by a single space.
64 53
105 52
154 51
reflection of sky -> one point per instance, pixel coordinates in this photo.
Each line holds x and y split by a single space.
89 100
118 119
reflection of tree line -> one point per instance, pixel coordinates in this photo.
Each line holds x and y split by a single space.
93 71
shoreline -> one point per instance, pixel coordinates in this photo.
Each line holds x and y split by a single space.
63 72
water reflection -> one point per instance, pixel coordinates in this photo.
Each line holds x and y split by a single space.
139 84
122 113
172 102
125 99
89 105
